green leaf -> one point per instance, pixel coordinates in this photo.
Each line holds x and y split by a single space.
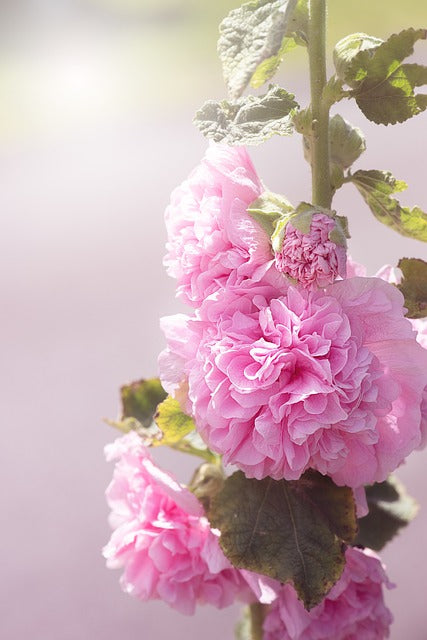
347 143
382 85
414 286
376 188
249 120
390 509
267 209
296 34
347 49
292 531
249 35
172 422
268 67
140 400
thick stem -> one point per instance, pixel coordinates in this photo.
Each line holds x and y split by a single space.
257 619
321 181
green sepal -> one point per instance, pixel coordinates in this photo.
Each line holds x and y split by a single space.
414 286
390 509
207 482
267 209
376 188
250 120
382 86
293 531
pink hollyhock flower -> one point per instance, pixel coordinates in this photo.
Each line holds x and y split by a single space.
310 248
212 241
277 384
354 609
161 538
394 275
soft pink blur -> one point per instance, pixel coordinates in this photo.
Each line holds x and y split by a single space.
82 290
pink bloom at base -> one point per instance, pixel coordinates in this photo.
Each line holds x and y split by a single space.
354 609
212 241
161 538
313 258
330 380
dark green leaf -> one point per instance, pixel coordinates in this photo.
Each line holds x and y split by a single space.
377 187
414 286
249 35
140 400
292 531
249 120
390 509
382 85
267 209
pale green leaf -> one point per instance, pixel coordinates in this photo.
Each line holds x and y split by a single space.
347 143
249 35
249 120
347 49
414 286
390 509
292 531
377 187
384 87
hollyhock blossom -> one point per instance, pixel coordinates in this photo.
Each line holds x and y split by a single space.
354 609
394 275
310 248
330 379
161 538
212 241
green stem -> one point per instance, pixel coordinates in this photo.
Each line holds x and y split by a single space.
257 619
321 182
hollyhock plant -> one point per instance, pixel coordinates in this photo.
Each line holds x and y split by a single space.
310 248
330 380
299 381
212 241
161 538
354 609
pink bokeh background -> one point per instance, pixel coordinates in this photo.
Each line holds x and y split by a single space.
82 289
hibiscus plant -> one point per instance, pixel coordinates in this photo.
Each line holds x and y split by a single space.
299 382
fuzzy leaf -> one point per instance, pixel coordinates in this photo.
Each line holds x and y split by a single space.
268 67
140 400
390 509
249 35
347 143
292 531
382 85
414 286
267 209
249 120
376 188
347 49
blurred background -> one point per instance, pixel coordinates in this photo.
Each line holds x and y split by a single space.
96 103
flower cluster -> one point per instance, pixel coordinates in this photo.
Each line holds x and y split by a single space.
291 359
281 376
